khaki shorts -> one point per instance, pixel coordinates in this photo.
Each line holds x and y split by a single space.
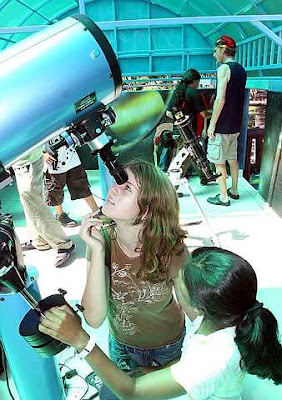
222 148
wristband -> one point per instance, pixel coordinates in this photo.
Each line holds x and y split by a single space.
88 348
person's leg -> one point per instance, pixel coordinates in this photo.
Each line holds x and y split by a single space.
216 155
234 166
30 195
78 186
221 180
234 171
59 210
54 190
43 226
91 202
54 197
222 198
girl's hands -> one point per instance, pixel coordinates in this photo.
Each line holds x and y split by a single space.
90 231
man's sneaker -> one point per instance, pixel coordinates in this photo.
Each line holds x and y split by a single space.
203 181
233 196
63 255
66 221
216 200
29 246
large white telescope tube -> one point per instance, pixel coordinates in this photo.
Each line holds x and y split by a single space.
51 79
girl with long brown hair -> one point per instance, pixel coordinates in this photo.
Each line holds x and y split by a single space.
135 291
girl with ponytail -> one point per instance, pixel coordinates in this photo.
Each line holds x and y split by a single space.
191 76
224 287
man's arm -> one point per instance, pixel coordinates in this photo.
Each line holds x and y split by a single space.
223 76
206 115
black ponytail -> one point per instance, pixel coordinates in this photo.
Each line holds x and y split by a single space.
258 342
178 97
224 286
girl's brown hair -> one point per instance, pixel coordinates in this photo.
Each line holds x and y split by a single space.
161 235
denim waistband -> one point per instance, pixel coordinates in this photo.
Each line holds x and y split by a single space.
182 335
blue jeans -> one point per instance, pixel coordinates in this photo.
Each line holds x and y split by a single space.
129 358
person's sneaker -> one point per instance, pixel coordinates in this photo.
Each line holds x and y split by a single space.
63 255
203 181
29 246
66 221
216 200
233 196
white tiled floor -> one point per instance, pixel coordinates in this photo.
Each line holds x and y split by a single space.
248 227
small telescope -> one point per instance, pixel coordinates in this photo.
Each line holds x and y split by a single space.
191 147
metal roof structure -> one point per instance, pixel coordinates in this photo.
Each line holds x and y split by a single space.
163 37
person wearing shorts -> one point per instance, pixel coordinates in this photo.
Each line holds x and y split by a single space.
226 119
223 148
66 169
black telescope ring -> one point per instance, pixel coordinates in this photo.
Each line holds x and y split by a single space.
103 42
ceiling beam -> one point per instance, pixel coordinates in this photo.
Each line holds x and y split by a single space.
34 11
189 20
268 32
224 9
261 10
81 4
242 11
159 22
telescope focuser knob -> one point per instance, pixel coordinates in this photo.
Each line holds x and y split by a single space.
79 307
179 115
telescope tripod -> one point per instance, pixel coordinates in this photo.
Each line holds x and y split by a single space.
175 172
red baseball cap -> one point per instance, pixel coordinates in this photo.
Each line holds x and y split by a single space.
226 41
